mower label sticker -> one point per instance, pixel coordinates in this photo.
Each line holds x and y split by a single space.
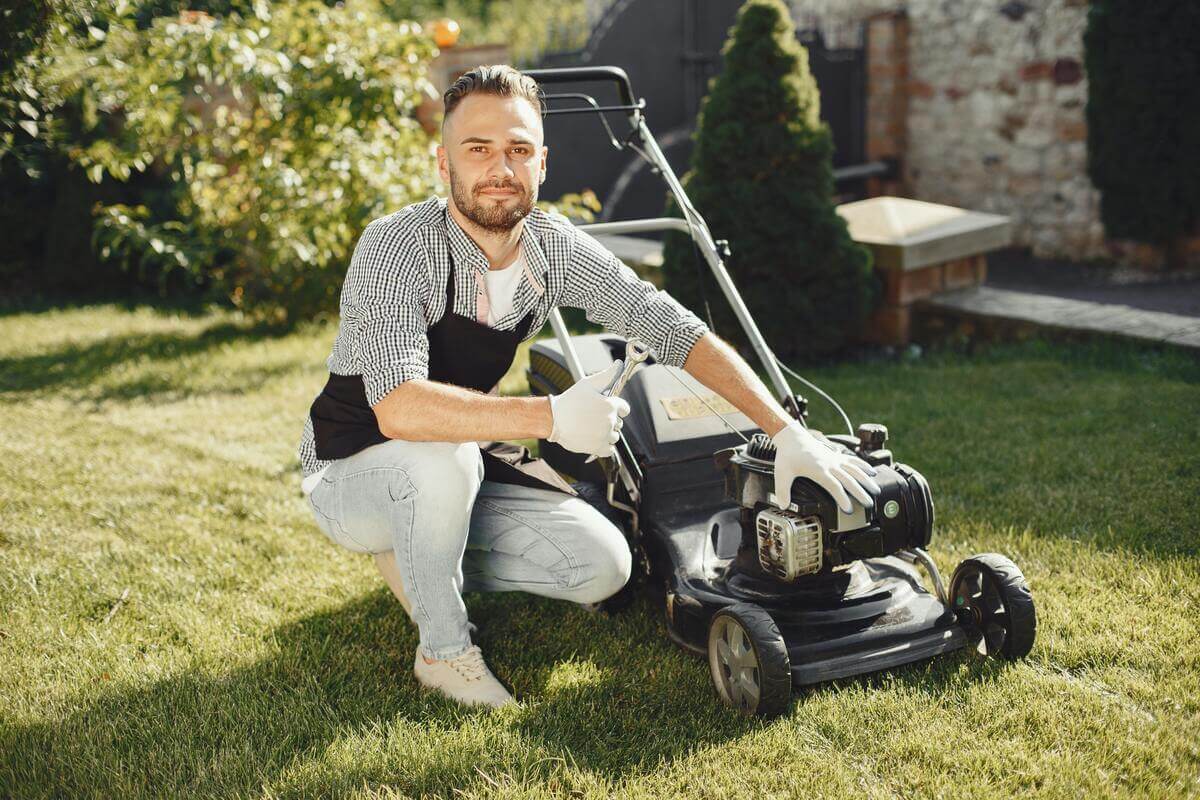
690 407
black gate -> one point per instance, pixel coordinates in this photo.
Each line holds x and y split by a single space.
841 76
671 50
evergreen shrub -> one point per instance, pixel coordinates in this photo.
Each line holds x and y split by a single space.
762 177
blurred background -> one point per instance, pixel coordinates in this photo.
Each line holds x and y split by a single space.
234 149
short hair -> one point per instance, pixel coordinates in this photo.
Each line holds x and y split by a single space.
500 80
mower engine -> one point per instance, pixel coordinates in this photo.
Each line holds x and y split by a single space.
813 535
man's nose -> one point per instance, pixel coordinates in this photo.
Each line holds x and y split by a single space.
501 167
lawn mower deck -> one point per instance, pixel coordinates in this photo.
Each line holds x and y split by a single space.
873 615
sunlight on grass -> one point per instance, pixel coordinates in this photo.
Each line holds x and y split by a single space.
175 624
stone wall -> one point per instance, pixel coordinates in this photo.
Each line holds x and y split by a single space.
992 98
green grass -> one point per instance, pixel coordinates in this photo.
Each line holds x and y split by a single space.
153 450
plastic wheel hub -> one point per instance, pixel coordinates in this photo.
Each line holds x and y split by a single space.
736 665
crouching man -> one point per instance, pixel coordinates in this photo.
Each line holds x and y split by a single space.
403 451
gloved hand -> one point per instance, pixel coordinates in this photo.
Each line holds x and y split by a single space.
800 453
586 421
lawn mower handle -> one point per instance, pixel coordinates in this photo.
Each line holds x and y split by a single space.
695 225
576 74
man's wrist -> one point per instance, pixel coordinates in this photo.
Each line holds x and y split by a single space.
544 417
777 424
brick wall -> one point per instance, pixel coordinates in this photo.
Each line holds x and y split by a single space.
887 95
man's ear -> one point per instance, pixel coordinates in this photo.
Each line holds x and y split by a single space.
545 151
443 168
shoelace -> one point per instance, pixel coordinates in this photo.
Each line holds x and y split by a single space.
470 663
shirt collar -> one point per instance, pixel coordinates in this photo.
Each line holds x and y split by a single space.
466 252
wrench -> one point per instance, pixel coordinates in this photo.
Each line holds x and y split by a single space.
635 353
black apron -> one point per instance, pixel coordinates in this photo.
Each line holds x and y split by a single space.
463 352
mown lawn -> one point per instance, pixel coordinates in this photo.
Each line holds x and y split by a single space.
150 454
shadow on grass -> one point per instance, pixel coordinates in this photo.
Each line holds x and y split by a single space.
124 298
81 365
347 671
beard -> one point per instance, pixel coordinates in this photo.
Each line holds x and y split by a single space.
493 215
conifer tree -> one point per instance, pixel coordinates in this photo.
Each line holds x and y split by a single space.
762 177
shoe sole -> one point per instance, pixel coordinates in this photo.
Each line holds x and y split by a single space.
423 688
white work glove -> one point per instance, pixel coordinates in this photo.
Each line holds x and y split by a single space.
800 453
586 421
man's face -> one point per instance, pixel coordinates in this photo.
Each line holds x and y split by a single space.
493 159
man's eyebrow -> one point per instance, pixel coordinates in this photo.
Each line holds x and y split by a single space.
481 140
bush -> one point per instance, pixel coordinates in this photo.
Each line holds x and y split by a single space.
528 28
1143 116
29 29
762 177
283 133
45 218
220 162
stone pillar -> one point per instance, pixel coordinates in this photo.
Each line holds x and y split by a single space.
920 249
887 96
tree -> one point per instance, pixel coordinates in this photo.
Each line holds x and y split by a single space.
762 177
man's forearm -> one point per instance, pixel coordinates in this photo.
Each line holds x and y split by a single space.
428 411
718 366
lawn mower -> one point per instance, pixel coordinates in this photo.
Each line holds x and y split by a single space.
773 596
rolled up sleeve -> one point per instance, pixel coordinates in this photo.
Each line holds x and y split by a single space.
613 295
385 294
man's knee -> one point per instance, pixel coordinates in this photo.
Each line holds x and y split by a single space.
609 565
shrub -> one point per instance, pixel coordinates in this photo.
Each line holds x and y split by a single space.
283 132
762 177
45 218
529 28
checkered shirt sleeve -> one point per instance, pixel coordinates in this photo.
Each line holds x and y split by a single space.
613 295
384 301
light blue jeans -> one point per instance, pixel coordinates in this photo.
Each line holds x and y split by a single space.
454 532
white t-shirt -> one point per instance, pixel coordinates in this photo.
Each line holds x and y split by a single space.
501 287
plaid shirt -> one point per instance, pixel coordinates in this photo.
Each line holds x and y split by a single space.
395 289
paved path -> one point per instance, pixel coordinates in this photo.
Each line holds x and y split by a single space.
1069 314
1173 292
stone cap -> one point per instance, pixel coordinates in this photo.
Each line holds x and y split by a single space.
906 234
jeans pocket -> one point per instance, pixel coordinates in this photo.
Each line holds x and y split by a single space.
326 503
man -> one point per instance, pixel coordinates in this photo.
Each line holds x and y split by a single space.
403 452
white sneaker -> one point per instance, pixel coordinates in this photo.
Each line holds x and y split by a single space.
465 678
